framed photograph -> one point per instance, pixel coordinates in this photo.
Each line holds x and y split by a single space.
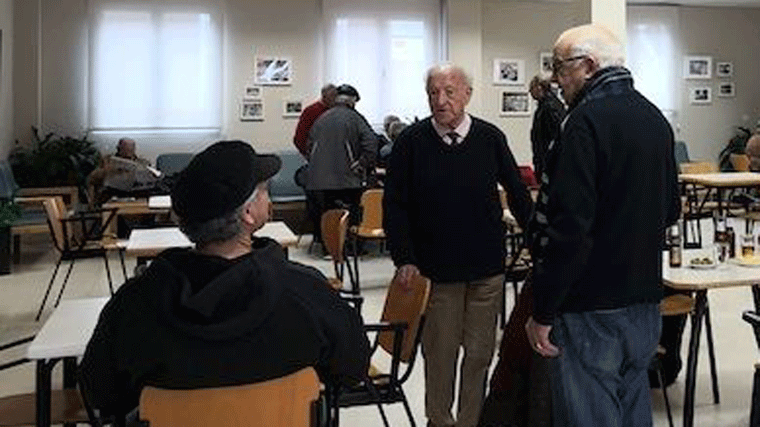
724 69
292 108
252 92
545 63
700 95
514 103
252 110
726 89
697 67
508 71
273 70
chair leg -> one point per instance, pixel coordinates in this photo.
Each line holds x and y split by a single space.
123 265
661 377
355 284
47 292
754 412
108 272
409 410
65 281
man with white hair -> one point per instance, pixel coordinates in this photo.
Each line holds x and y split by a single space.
443 219
609 194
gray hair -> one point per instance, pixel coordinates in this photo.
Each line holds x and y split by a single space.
219 229
600 43
345 100
448 68
395 129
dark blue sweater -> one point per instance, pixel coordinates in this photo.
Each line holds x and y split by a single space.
441 206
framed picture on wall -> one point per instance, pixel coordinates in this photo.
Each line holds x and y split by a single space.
252 92
726 89
273 70
514 103
252 110
508 71
292 108
545 63
700 95
724 69
697 67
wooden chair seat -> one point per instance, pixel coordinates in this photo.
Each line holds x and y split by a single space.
674 305
66 406
368 233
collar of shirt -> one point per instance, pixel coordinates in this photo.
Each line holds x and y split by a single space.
460 130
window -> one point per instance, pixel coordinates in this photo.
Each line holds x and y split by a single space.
154 66
383 47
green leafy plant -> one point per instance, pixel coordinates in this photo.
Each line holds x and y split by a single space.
9 213
54 160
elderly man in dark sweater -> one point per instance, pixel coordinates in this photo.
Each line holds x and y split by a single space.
609 193
443 219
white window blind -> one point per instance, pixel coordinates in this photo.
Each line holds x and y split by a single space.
652 54
383 48
154 65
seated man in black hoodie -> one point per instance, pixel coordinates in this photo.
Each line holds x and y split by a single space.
231 311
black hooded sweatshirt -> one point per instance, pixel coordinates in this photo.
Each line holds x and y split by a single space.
193 321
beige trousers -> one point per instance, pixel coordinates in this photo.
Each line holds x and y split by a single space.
461 314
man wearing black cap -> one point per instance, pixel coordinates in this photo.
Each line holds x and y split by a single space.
226 312
342 149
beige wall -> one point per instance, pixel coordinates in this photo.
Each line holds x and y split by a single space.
6 76
479 31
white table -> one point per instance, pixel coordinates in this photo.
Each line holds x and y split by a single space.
700 281
159 202
147 243
64 336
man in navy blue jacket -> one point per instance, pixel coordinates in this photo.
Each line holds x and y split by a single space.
609 193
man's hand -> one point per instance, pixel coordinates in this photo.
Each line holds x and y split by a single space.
538 336
404 276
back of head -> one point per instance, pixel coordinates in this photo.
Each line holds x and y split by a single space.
347 95
216 183
390 118
594 40
329 91
539 86
395 129
126 148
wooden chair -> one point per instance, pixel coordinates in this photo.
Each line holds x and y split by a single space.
398 334
371 227
286 401
698 167
334 226
753 318
740 162
77 236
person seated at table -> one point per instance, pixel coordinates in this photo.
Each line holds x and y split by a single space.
752 150
232 311
120 173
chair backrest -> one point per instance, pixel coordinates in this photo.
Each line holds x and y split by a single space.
681 152
740 162
55 210
8 185
285 401
171 163
405 306
372 209
334 227
282 186
698 167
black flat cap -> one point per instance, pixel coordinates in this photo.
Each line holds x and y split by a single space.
349 90
220 179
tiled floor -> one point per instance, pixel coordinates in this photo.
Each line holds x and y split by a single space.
21 292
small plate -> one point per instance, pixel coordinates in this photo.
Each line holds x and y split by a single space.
703 266
752 262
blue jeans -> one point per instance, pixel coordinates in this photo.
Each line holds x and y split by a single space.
600 378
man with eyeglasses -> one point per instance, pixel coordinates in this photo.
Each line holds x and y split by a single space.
609 193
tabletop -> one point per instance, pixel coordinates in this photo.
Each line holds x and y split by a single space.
729 274
160 202
723 179
67 331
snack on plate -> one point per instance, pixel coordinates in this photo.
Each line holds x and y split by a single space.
702 261
751 260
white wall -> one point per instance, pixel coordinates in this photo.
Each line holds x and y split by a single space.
479 31
6 76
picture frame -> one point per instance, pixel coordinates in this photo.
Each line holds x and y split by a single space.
252 92
273 71
514 103
252 110
727 89
697 67
545 63
292 108
508 71
724 69
700 95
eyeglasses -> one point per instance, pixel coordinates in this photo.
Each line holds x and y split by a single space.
558 64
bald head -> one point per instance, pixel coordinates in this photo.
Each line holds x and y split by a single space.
126 148
593 40
329 92
752 150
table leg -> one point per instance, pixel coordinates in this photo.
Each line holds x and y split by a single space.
711 353
69 378
691 365
43 386
756 297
